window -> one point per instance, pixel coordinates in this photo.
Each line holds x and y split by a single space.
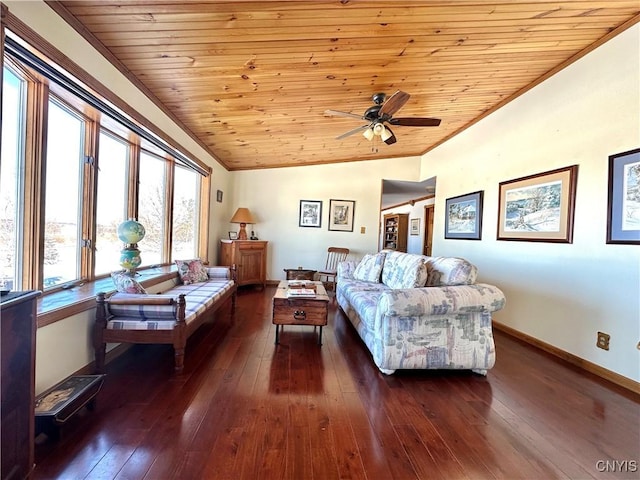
63 215
112 202
185 214
11 182
152 207
73 167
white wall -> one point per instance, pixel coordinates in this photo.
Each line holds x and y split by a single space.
273 196
561 294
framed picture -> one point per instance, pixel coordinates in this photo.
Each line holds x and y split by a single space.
233 235
415 226
310 213
463 217
341 215
623 213
219 196
538 208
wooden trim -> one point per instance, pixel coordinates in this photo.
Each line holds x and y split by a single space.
601 372
38 42
203 220
408 202
62 11
169 187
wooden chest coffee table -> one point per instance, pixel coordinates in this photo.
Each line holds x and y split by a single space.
289 310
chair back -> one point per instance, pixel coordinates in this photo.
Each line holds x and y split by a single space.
335 255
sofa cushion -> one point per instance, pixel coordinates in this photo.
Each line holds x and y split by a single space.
404 270
192 271
125 283
447 271
370 267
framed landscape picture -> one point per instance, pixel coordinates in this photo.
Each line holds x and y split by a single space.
310 213
341 215
623 213
463 217
538 208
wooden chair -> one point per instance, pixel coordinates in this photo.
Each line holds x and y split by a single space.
335 255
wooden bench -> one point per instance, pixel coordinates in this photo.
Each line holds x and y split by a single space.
169 318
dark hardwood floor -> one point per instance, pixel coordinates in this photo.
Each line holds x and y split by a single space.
245 409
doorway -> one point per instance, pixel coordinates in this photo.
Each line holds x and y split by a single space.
427 238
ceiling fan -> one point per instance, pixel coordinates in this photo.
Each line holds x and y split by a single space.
382 112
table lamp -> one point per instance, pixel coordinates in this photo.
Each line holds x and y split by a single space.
242 216
130 233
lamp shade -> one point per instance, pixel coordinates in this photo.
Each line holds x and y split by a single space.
242 215
130 231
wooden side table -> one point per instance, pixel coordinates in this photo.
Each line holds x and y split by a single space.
299 274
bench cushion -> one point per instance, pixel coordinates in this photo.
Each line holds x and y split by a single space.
198 297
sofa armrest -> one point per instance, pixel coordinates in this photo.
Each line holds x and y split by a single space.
412 302
346 268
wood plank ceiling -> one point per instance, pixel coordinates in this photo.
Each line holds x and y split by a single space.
251 80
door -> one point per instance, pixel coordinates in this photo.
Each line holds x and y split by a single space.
427 242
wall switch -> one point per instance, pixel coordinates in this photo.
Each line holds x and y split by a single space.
603 341
363 229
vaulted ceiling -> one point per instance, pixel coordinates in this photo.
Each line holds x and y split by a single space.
251 80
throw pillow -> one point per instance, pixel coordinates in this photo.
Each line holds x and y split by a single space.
370 268
406 271
126 284
192 271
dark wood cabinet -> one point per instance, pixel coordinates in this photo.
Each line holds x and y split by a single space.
395 231
18 371
249 257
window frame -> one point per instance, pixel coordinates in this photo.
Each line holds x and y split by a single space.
54 305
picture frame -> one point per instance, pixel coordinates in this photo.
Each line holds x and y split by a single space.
538 208
233 235
341 214
219 196
463 216
623 198
414 229
310 214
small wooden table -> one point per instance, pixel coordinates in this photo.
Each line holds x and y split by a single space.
310 311
299 273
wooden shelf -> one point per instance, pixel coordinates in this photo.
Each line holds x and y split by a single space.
396 229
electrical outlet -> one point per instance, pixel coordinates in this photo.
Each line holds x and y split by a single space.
603 341
363 229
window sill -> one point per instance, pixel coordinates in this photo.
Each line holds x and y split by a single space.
64 303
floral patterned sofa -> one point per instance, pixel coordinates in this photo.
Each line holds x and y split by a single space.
418 312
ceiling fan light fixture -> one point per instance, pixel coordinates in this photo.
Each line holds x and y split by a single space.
368 134
391 138
378 129
385 134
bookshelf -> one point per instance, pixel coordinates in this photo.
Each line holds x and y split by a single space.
395 232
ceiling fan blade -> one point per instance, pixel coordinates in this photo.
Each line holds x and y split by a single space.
415 122
343 114
352 132
394 103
